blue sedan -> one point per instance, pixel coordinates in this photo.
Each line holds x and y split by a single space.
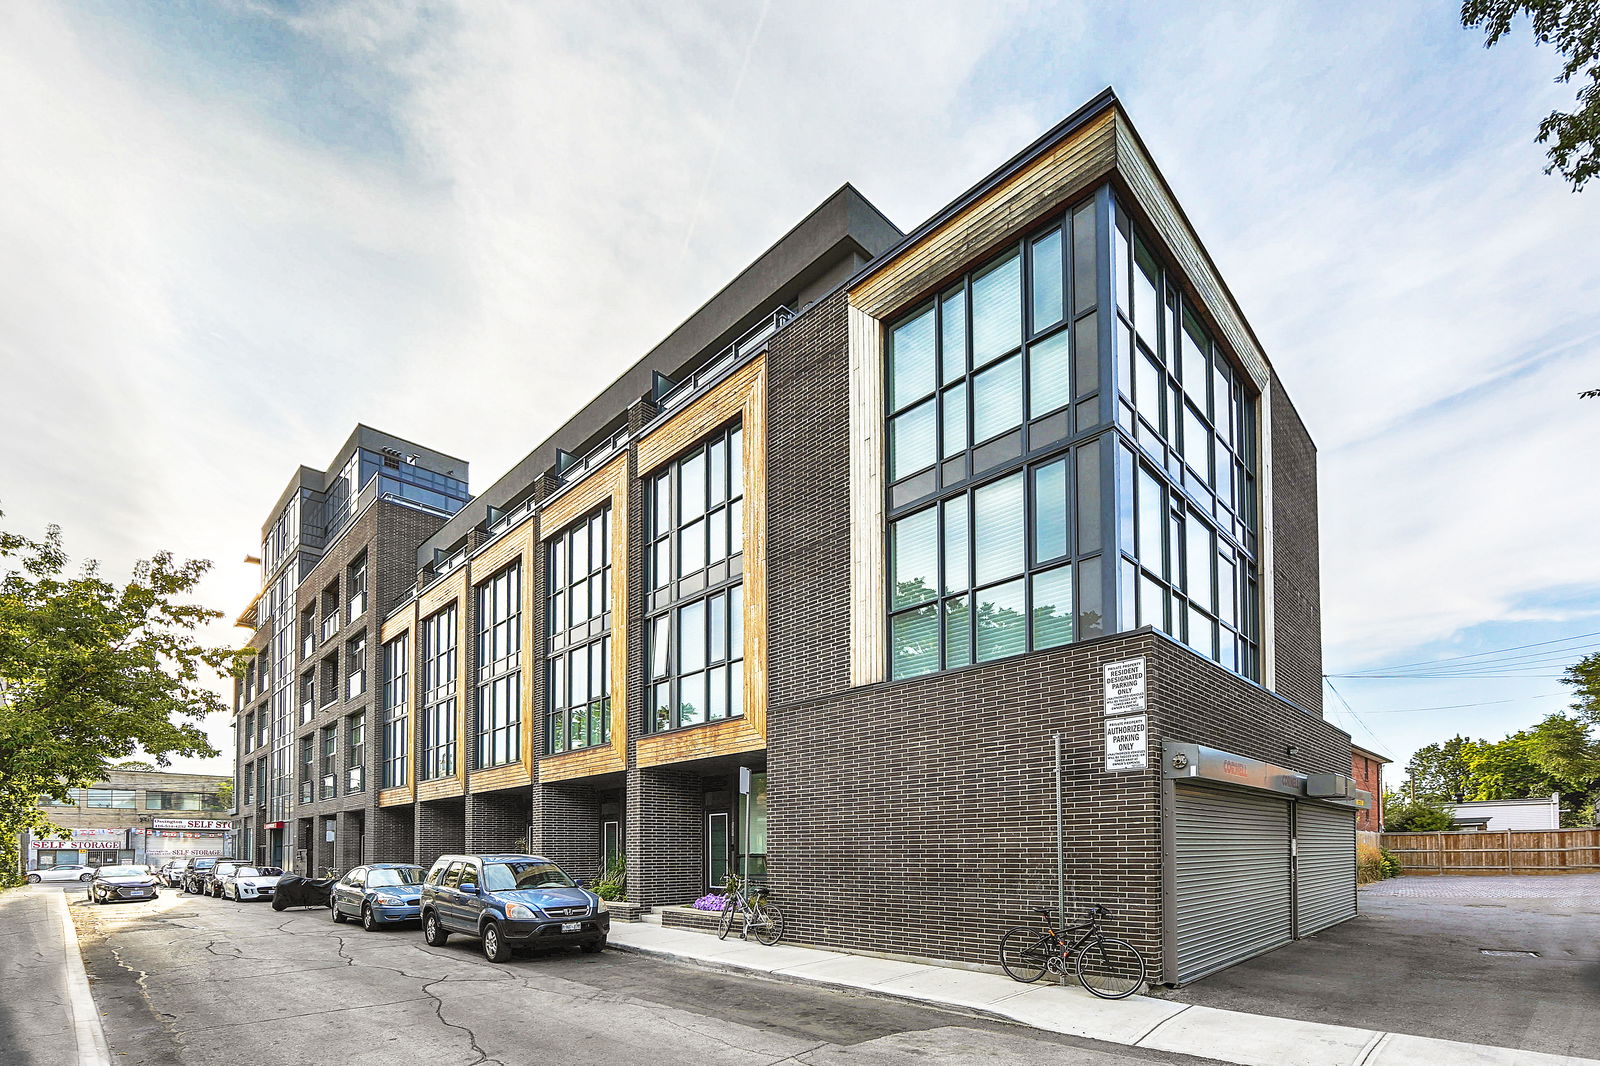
378 894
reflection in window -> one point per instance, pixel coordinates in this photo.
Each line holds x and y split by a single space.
437 695
578 672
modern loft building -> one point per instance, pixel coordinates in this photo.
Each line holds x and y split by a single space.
338 546
814 590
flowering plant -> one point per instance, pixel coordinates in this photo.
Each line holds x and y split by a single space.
712 902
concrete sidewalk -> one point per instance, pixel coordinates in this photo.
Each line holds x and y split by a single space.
47 1014
1138 1021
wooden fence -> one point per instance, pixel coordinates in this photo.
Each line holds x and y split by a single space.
1498 851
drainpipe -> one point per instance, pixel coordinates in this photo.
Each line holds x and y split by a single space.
1061 849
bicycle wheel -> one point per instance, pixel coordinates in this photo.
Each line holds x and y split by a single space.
767 924
1110 968
1023 953
725 923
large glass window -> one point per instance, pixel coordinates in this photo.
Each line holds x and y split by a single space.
355 752
328 787
578 623
1001 366
116 798
695 636
437 696
499 691
1186 469
396 720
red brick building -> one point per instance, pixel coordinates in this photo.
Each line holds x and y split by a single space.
1366 768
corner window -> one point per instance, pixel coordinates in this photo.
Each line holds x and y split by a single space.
437 696
396 721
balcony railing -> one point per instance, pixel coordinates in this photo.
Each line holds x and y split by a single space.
591 460
751 342
355 779
330 625
356 684
358 605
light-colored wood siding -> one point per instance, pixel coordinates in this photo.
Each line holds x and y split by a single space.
867 626
742 395
609 483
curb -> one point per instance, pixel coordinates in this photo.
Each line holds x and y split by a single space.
86 1029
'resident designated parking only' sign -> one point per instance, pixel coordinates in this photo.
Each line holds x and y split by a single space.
1124 686
1127 743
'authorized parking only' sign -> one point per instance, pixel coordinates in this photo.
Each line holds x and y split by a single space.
1127 743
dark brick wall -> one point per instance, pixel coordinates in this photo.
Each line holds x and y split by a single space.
1297 573
918 817
392 837
566 823
441 828
496 821
665 836
808 493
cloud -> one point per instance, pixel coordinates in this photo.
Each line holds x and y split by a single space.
230 237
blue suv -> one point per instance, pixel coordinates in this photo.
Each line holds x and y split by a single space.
510 901
378 893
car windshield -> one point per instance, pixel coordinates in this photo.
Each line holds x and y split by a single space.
124 871
411 875
506 876
257 871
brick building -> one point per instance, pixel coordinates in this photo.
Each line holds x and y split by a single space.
136 816
1366 769
816 588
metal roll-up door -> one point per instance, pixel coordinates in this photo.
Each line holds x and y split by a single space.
1231 879
1325 867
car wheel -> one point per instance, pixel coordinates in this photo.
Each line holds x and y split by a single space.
333 912
495 948
594 947
432 931
369 921
86 878
34 879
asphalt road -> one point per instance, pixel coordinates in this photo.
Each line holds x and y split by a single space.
190 980
1414 962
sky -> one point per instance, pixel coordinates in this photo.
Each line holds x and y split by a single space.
229 231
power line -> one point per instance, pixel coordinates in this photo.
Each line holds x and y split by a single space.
1433 677
1353 713
1461 706
1537 658
1491 651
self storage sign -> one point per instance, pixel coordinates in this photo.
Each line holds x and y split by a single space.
1127 743
1124 681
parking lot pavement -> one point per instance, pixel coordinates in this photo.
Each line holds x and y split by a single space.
1413 962
191 980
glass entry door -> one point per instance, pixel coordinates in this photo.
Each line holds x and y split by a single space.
716 849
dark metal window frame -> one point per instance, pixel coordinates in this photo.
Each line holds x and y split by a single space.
328 742
355 752
719 581
396 705
436 693
1040 440
565 639
497 739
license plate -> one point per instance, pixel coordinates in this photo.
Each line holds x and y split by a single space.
571 927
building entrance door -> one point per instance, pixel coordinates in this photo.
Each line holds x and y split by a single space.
716 849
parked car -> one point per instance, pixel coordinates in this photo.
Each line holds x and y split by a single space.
113 883
69 871
244 882
378 893
509 902
211 880
193 871
171 872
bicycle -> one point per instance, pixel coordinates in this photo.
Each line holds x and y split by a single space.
1105 966
761 916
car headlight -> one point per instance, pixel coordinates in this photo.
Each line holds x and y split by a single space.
521 910
389 901
600 906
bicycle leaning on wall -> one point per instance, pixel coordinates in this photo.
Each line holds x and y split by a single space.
1104 965
758 916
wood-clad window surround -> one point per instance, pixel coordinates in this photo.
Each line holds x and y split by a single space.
705 473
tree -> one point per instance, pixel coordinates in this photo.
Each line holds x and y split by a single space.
225 794
133 764
1573 26
92 673
1443 772
1584 676
1422 815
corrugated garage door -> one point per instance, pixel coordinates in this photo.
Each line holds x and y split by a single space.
1325 867
1232 878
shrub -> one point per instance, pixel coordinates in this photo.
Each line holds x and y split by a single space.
1391 865
613 883
1416 816
1369 864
